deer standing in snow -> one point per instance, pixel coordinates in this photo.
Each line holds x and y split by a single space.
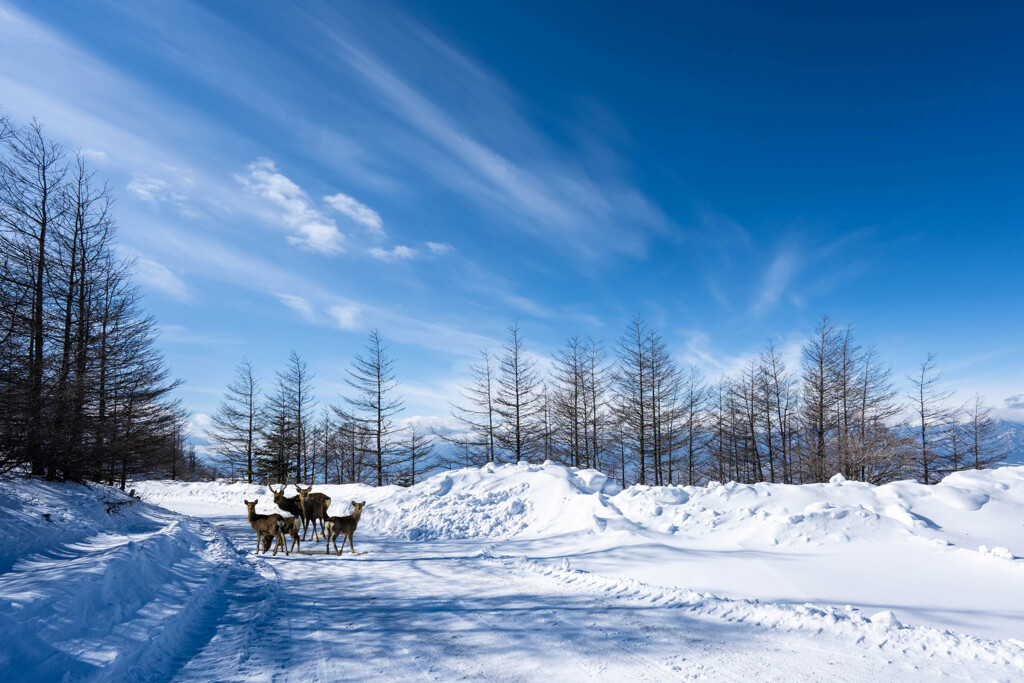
314 507
291 526
266 526
290 505
344 527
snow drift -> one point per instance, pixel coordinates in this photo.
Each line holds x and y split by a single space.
96 584
93 587
966 510
946 555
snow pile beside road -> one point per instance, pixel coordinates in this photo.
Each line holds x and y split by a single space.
40 515
966 509
95 584
496 502
487 502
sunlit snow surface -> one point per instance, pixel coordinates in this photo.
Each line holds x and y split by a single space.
522 573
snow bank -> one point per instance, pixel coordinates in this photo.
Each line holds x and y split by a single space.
95 584
487 502
948 555
966 510
496 502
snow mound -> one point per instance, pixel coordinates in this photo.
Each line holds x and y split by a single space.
497 502
98 585
965 510
961 510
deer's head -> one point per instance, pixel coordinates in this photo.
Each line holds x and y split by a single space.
279 494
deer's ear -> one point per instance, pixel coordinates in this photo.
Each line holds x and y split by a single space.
363 503
354 503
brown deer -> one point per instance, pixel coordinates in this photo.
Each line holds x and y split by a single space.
266 526
314 507
344 527
291 526
290 505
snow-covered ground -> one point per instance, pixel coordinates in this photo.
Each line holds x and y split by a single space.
520 573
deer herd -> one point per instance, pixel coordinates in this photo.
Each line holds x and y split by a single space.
303 509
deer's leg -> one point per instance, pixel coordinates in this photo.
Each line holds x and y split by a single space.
351 544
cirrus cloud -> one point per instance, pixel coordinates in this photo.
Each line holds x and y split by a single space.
357 211
311 229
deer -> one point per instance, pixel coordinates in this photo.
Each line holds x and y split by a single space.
314 507
291 526
290 505
271 526
344 527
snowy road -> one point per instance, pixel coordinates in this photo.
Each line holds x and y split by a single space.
529 572
458 610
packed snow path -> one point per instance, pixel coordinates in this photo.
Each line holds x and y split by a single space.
458 610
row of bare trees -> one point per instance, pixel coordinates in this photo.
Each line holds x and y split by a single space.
636 413
84 392
649 420
286 435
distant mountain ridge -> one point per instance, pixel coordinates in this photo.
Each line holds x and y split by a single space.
1012 435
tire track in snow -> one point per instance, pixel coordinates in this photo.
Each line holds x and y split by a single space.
928 648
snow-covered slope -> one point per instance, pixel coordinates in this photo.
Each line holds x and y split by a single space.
461 574
966 510
946 556
95 585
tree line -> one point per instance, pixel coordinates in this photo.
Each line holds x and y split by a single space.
84 391
632 411
284 435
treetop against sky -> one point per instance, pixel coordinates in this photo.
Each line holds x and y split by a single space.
292 176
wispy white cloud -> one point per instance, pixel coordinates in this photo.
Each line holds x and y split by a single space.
179 334
345 316
157 276
166 184
1015 402
297 303
148 189
508 168
699 351
399 253
357 211
312 229
439 248
776 279
93 154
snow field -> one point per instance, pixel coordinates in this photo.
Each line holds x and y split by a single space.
946 555
522 572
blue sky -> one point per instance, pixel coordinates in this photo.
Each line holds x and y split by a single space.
293 175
